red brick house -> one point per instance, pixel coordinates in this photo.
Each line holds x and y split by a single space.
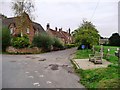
65 37
29 28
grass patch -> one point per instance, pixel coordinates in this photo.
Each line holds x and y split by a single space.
82 54
99 78
112 49
111 57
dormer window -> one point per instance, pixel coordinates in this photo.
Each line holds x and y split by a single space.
28 30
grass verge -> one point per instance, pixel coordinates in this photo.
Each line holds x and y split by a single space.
82 54
102 77
99 78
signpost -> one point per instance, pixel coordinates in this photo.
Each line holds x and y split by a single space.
83 46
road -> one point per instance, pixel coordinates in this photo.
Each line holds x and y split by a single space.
47 70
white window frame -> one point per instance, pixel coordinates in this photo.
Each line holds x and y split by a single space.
28 30
11 30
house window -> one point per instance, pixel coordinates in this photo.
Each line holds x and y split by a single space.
11 30
28 30
21 34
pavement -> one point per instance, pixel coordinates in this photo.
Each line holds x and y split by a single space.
47 70
86 64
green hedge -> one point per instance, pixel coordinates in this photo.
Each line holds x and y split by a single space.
5 38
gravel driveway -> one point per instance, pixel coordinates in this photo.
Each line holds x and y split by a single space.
48 70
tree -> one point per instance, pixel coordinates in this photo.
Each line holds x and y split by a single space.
22 10
114 40
5 38
86 34
21 6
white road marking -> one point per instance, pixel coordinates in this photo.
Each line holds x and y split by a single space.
30 76
36 71
36 84
48 82
26 72
41 76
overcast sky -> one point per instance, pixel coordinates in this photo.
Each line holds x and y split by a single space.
70 13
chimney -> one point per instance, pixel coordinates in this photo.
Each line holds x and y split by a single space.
60 29
55 28
69 31
48 26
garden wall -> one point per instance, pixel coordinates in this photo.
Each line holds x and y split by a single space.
11 49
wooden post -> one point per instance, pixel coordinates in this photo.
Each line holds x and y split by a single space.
108 54
101 51
93 48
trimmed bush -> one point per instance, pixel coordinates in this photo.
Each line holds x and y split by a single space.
20 42
57 43
5 38
43 41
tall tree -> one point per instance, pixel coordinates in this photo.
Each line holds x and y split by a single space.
21 6
22 9
86 34
114 40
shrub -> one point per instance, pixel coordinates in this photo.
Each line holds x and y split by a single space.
114 40
70 45
57 43
20 42
5 38
43 41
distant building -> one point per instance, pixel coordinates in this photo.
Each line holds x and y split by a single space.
65 37
104 41
30 29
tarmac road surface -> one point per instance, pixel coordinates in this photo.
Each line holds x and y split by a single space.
47 70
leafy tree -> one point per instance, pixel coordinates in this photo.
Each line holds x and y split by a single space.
5 38
114 40
86 34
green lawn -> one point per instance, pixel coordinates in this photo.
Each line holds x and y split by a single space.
101 77
82 54
112 49
112 58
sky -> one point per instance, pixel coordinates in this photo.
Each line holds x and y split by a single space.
67 14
